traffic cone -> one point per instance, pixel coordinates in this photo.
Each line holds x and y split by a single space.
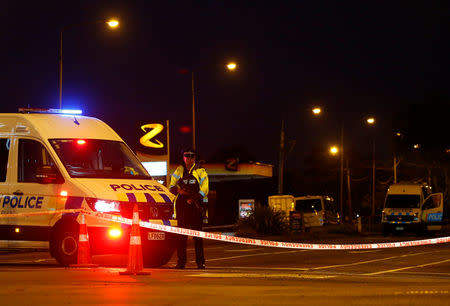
135 261
84 252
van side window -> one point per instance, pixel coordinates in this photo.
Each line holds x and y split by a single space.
432 202
32 154
4 152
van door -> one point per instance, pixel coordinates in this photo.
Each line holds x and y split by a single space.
5 163
432 211
27 195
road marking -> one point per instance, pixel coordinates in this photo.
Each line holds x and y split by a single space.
206 248
261 275
250 255
406 268
244 250
260 268
426 273
422 292
361 252
369 261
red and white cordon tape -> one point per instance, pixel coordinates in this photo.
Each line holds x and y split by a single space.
42 213
270 243
241 240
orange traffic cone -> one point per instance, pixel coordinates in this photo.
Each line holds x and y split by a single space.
135 262
84 252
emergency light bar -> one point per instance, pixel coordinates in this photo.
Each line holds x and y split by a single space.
50 111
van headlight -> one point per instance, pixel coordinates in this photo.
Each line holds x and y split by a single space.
103 205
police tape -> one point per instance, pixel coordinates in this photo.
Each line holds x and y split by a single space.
41 213
270 243
240 240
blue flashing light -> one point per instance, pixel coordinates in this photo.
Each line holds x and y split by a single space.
50 111
66 111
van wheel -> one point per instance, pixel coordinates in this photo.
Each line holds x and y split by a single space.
158 258
64 246
158 253
386 230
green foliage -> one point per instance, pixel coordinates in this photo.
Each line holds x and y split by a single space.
265 221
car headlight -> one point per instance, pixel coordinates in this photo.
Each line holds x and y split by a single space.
103 205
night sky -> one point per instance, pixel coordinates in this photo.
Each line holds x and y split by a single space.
354 58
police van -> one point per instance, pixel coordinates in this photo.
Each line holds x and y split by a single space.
53 160
412 207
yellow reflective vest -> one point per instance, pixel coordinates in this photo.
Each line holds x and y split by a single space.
200 175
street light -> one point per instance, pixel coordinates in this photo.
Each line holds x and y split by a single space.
334 150
231 66
316 110
112 23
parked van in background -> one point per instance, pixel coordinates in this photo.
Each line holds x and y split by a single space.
317 210
412 207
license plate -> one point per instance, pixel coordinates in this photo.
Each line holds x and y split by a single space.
156 236
399 228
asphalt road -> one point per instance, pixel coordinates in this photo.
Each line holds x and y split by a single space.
240 274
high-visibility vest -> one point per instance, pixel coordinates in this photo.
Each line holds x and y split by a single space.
200 175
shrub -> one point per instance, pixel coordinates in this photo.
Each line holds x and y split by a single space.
265 220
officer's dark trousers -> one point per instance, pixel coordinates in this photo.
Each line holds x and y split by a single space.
181 251
191 218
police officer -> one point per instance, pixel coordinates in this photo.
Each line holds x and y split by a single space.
189 183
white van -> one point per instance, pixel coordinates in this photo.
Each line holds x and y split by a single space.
57 161
318 210
412 207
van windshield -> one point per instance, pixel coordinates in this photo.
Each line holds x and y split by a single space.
308 205
93 158
402 201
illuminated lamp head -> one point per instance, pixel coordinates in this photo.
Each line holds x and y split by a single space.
81 141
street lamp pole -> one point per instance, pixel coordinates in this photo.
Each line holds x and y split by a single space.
60 66
281 159
232 66
194 143
373 178
282 155
112 23
341 176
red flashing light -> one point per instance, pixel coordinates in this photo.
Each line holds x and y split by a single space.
81 141
185 129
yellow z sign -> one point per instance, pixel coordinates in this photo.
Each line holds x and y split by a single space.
146 140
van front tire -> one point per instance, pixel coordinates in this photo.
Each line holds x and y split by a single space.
158 253
387 229
64 245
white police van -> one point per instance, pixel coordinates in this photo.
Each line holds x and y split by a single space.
52 160
412 207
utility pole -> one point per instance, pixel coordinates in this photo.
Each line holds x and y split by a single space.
349 191
281 159
373 178
341 176
194 143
